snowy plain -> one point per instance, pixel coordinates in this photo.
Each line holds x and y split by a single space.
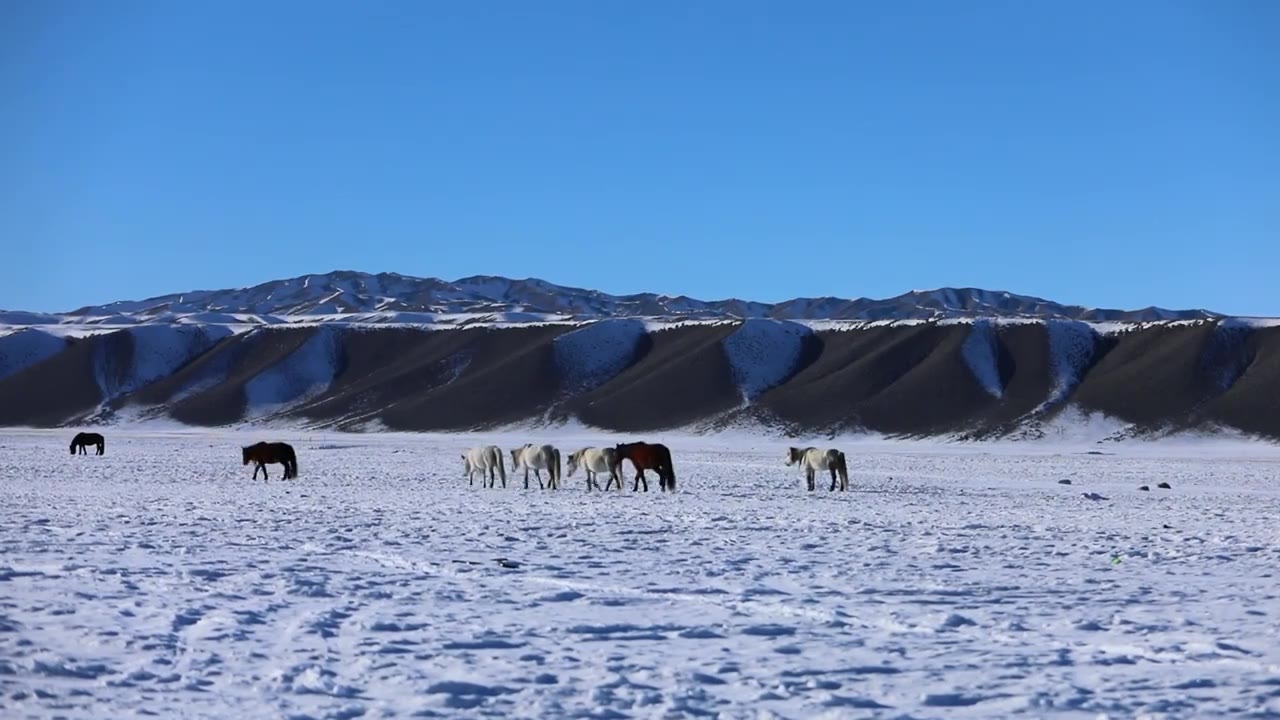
952 580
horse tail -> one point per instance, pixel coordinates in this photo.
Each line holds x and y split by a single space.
555 453
843 468
671 468
502 469
293 462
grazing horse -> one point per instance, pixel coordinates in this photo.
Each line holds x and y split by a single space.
484 459
542 457
812 459
82 439
649 456
265 453
597 460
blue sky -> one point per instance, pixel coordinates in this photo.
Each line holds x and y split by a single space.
1108 154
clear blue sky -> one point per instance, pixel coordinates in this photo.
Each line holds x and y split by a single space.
1103 153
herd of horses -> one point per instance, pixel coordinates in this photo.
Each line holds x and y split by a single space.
488 461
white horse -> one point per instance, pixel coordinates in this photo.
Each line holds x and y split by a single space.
812 459
537 458
597 460
484 459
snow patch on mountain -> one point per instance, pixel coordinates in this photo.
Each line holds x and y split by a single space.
592 355
306 372
24 348
764 353
1227 354
452 367
981 353
157 352
1071 348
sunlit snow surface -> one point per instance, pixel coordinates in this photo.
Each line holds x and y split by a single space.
951 581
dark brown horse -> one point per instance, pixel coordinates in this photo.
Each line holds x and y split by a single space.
264 453
649 456
81 440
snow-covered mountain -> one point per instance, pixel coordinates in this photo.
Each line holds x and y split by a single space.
355 293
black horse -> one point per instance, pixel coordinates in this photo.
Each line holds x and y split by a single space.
264 453
84 439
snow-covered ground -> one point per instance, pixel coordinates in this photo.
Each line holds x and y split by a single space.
951 581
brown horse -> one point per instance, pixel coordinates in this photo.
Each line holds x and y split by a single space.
648 456
81 440
264 453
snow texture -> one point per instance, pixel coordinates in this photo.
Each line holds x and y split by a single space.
947 583
1227 354
981 354
158 351
1071 348
304 373
764 353
592 355
25 348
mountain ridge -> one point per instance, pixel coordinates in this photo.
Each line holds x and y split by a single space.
348 292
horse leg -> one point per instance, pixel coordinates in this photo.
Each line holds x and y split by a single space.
808 476
833 480
538 474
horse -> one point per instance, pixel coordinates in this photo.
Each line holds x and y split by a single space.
542 457
82 439
597 460
265 453
649 456
812 459
484 459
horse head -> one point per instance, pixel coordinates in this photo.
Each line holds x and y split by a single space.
572 462
244 453
793 455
